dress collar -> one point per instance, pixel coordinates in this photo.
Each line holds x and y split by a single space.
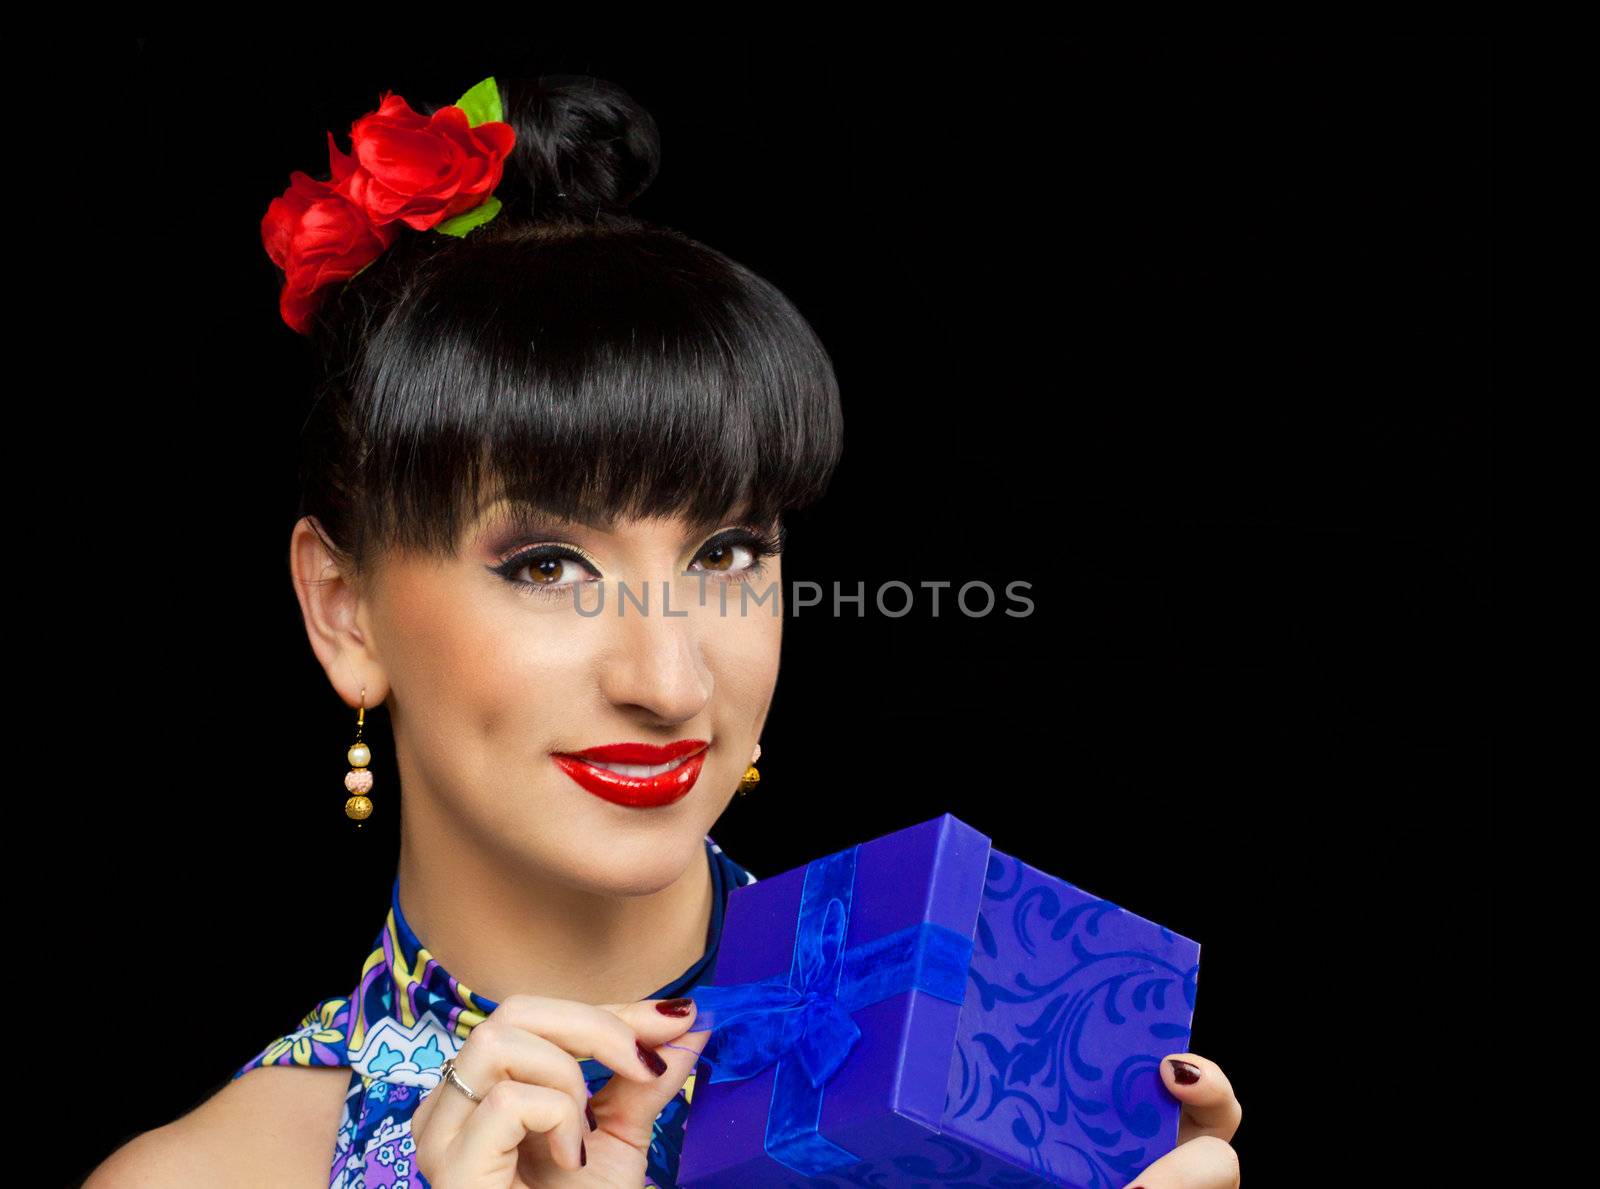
418 994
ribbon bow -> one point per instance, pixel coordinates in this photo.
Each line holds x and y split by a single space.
802 1022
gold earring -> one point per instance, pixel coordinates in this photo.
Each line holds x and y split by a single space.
751 777
358 781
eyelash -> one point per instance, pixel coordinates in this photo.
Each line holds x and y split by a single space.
761 545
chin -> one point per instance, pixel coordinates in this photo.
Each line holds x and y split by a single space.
644 860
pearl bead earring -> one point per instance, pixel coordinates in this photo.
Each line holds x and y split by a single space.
358 781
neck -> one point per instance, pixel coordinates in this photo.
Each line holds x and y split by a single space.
502 929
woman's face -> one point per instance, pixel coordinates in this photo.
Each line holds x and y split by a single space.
553 637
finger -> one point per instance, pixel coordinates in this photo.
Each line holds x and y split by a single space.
578 1030
509 1113
1203 1163
1209 1105
498 1050
628 1109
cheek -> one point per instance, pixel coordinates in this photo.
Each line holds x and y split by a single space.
464 664
748 648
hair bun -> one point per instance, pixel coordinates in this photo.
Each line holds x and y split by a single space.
583 145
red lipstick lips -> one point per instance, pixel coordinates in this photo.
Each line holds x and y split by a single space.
635 791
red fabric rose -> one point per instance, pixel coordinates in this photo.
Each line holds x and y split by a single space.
420 170
317 236
403 168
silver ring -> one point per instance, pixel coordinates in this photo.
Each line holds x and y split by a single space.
448 1070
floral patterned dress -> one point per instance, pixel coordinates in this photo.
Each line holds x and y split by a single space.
407 1015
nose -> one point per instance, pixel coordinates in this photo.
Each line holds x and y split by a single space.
654 665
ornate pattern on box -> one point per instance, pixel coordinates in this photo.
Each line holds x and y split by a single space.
1043 1072
1072 1003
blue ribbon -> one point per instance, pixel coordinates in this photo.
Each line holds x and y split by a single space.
803 1021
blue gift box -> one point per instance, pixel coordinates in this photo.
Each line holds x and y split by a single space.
923 1009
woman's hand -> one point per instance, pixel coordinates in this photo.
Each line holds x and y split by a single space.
537 1126
1204 1157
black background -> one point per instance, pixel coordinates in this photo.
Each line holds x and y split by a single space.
1191 334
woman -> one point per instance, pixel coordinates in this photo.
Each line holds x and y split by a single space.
531 403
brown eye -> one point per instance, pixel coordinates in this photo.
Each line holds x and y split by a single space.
741 554
724 558
547 571
550 570
719 557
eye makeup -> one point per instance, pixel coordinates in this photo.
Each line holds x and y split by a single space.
761 544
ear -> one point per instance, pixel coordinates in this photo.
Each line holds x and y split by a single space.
334 614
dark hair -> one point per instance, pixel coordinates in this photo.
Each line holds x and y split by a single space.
586 361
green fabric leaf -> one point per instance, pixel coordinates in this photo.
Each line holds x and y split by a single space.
481 103
467 220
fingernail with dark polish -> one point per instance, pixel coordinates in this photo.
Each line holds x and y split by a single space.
652 1060
583 1154
675 1007
589 1113
1186 1074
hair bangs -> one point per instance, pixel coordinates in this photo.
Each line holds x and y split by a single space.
593 374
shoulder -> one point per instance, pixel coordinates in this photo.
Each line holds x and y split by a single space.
274 1125
274 1122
